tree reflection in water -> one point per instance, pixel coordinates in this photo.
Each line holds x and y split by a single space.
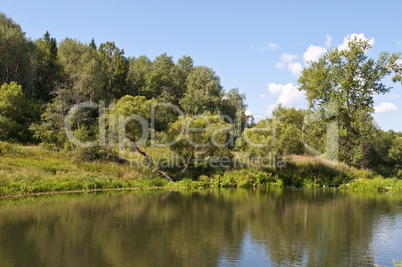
195 228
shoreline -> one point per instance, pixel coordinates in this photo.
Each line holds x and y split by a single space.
34 171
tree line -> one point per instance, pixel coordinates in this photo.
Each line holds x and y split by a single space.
46 78
43 79
338 123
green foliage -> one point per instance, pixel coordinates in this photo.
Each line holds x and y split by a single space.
116 67
395 152
45 79
247 178
259 140
200 138
46 68
184 67
138 69
339 88
160 77
27 170
280 135
363 151
51 129
61 75
378 184
16 113
289 140
129 106
5 147
163 112
83 72
12 101
204 92
234 107
15 62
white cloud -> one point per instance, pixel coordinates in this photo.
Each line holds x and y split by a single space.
295 68
385 107
263 96
248 112
272 46
360 36
280 65
329 40
288 60
313 53
269 46
287 94
288 57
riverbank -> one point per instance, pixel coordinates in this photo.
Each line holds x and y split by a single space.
27 170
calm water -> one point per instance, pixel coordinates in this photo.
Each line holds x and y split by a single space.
204 228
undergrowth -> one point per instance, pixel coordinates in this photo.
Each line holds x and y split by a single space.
35 169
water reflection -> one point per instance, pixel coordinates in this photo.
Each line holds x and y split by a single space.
204 228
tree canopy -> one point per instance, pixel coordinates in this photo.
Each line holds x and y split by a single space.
44 80
15 53
340 87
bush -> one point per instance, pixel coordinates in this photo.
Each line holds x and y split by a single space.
377 184
5 147
91 154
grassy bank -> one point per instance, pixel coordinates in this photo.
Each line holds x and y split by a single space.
28 170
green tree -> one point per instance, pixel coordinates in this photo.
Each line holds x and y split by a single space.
346 79
93 44
233 105
160 78
289 116
280 134
364 151
164 112
137 73
15 113
46 68
382 143
50 130
15 54
131 116
184 66
200 139
259 139
83 72
116 66
204 92
395 152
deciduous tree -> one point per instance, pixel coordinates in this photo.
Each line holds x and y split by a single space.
346 79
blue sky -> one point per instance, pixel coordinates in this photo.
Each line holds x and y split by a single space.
257 46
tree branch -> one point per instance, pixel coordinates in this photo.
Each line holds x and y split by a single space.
165 174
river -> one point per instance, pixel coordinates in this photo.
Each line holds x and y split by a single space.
310 227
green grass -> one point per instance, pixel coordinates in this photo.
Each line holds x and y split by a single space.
26 170
30 170
378 184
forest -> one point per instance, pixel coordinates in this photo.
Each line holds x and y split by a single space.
92 101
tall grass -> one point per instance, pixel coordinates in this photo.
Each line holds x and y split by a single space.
378 184
32 170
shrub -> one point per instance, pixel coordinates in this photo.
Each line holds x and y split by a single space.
96 154
5 147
